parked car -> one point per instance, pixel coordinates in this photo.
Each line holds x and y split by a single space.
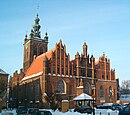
116 107
125 110
104 106
125 105
83 109
33 111
21 110
44 112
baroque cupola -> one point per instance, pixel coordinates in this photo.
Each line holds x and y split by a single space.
35 33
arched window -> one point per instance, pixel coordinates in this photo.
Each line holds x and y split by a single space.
41 51
110 92
101 92
60 88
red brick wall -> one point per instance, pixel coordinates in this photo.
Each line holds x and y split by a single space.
106 85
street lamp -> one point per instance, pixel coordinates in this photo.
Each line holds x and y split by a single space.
25 102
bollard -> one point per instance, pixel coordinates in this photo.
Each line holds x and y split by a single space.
108 113
100 113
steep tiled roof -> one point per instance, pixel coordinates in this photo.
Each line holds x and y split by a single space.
37 64
3 72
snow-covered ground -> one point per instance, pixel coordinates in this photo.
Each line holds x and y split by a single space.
97 112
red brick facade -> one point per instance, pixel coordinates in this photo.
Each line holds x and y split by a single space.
3 88
53 71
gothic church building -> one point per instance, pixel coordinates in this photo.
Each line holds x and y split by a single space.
45 71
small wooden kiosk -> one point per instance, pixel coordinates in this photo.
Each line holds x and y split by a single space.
85 99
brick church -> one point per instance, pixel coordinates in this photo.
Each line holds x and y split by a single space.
45 71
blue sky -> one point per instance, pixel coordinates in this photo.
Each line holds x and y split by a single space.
103 24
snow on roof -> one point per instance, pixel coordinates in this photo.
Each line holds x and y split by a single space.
107 104
83 96
2 71
80 87
65 101
37 64
32 76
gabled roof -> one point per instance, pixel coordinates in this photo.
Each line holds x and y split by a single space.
37 64
83 96
3 72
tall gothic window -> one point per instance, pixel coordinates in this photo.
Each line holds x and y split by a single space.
37 89
63 71
110 92
30 91
58 70
35 51
41 51
103 77
101 92
60 88
86 88
107 77
82 72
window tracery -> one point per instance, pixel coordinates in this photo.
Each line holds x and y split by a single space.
60 88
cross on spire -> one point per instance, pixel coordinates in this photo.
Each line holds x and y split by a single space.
37 7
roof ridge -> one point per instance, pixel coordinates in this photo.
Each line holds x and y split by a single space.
30 67
2 71
36 65
53 49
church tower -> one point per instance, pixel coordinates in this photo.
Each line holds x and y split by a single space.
34 45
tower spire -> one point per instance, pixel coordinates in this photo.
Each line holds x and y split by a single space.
35 45
37 8
35 33
46 37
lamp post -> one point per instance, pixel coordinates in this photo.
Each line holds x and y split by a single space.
93 101
94 93
93 107
10 102
25 102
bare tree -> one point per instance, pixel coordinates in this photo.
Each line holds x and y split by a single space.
53 99
125 87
